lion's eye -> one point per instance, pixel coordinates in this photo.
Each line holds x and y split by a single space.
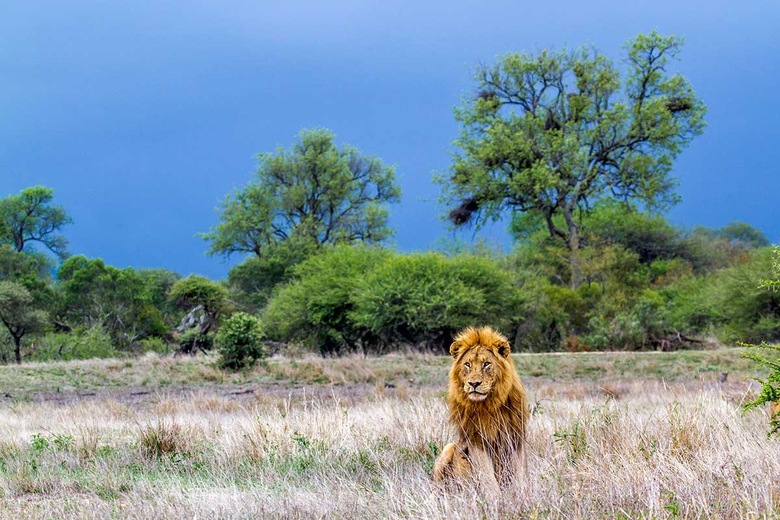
486 365
467 365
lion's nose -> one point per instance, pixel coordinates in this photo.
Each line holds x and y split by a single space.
475 384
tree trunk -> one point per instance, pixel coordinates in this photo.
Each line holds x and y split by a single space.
17 348
573 243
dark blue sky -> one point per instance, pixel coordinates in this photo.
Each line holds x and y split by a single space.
143 115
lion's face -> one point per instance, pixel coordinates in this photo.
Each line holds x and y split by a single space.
477 372
480 360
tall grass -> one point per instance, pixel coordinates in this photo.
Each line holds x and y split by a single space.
636 450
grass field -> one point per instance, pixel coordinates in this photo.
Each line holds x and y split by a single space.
619 435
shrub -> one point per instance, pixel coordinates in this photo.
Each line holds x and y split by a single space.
314 309
93 342
239 341
425 298
731 303
770 387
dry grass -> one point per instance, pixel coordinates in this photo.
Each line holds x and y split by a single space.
597 449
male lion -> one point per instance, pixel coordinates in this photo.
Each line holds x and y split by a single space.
488 407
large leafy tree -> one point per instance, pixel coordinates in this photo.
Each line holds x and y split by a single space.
313 194
29 217
549 133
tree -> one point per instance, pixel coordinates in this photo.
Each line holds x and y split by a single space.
742 235
206 301
119 300
30 217
18 313
314 194
27 268
252 282
550 133
158 284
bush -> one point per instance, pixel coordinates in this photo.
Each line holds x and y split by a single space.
770 387
192 340
93 342
425 298
315 308
239 341
729 303
359 298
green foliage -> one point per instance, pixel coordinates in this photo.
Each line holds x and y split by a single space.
770 387
730 303
90 343
29 218
239 341
315 308
23 267
741 234
158 283
636 327
119 300
18 313
199 293
198 290
650 236
313 194
550 132
252 281
156 345
426 298
358 298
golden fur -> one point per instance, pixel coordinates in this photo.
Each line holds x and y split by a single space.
452 465
488 404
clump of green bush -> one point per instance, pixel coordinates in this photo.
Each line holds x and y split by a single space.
239 341
373 300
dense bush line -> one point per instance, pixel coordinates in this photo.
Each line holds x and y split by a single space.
645 284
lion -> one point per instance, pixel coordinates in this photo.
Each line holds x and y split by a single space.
488 407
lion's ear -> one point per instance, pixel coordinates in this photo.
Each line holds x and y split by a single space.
455 348
502 347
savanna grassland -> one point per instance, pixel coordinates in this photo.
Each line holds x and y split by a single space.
613 435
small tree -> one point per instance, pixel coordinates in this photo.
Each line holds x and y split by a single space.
18 314
550 133
198 293
239 341
313 194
